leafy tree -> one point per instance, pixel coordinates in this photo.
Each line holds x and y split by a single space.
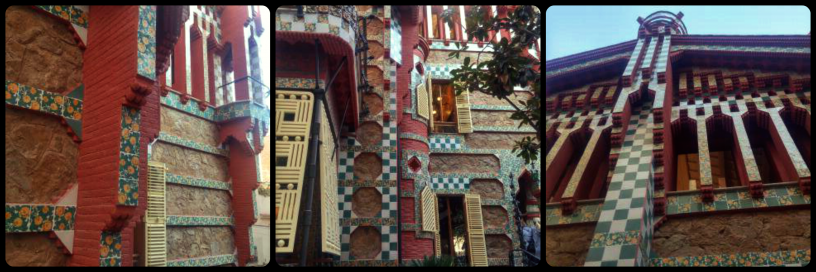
507 68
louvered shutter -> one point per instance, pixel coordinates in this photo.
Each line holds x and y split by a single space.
429 210
429 87
475 228
328 185
155 217
293 119
463 112
421 101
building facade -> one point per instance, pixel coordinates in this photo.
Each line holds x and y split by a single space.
402 161
675 149
132 135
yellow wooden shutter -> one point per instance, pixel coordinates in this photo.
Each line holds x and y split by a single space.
429 87
293 119
437 238
477 247
328 185
429 210
422 97
155 217
463 112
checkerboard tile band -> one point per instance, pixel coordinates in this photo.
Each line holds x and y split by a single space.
445 143
390 247
450 183
620 228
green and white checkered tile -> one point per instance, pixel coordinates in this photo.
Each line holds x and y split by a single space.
345 167
390 247
624 215
389 165
389 204
450 183
344 194
345 246
445 143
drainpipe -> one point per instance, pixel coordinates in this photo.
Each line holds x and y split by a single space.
311 167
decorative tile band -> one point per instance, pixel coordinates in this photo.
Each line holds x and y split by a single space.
241 109
147 42
787 194
203 261
585 212
778 258
492 107
182 220
296 83
197 182
524 128
191 144
69 13
347 222
173 100
39 218
769 49
450 183
446 142
110 253
129 157
69 107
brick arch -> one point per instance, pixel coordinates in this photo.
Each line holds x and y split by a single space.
797 115
681 129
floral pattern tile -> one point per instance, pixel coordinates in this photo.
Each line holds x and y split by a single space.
173 100
147 42
47 102
191 144
39 218
181 220
129 157
203 261
197 182
110 250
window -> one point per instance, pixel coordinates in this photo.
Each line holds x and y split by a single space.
450 113
436 27
169 75
444 108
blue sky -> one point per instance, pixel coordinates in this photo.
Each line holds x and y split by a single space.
575 29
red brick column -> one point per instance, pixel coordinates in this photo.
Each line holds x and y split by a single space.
111 81
411 247
242 170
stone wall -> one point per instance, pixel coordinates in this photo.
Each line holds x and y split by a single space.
488 188
465 164
494 217
33 249
568 246
186 200
41 51
186 126
494 118
192 242
498 245
489 140
191 163
437 56
480 98
734 233
41 159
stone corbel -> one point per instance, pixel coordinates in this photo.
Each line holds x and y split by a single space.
568 205
139 90
660 206
708 193
757 189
